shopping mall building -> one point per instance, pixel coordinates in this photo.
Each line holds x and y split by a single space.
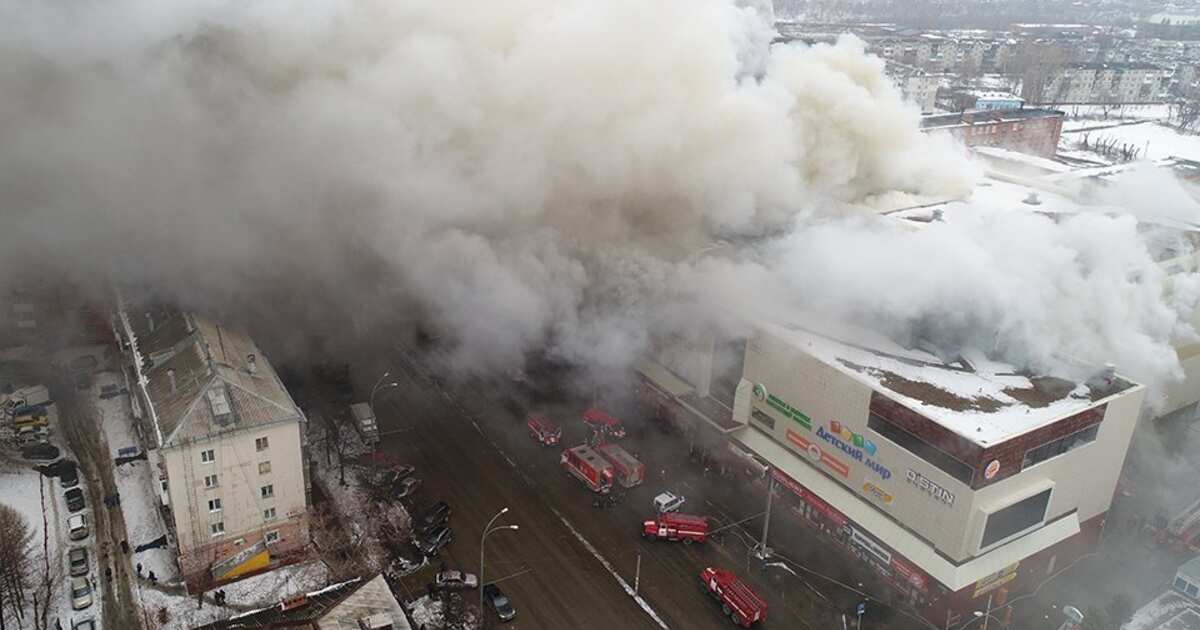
960 481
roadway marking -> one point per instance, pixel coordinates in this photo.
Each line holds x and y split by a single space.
608 567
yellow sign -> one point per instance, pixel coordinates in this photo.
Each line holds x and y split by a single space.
877 492
994 581
257 562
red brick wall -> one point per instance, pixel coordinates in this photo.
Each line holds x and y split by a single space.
1036 136
1009 453
924 428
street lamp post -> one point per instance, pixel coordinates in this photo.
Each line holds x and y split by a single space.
375 417
488 529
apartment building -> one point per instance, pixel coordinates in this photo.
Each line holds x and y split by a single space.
226 439
955 480
1104 83
918 86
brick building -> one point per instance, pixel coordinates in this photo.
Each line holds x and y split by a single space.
225 438
961 483
1028 130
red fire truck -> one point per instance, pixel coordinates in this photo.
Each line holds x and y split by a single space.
740 603
628 470
544 431
675 526
1180 534
599 421
588 466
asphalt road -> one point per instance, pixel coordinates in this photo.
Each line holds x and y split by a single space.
477 456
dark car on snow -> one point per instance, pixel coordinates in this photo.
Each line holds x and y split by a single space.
431 543
431 517
40 451
74 499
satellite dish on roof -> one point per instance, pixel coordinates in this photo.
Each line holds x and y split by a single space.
1073 614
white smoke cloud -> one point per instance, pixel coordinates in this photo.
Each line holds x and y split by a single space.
520 173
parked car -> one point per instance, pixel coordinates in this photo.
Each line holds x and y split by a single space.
668 502
500 602
406 487
455 580
40 451
81 593
78 526
74 499
77 557
432 543
83 624
69 477
30 434
433 516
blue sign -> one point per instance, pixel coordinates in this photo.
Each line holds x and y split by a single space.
856 453
862 608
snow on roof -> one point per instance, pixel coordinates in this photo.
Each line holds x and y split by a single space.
1169 610
1025 159
1191 569
983 401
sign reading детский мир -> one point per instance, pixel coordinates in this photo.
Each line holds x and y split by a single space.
849 443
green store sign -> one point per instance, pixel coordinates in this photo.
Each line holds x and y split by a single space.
776 403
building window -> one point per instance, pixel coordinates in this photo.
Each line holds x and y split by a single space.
764 419
208 456
268 491
217 528
163 483
210 481
272 536
1181 584
214 505
264 468
269 514
261 444
926 451
1057 447
1015 518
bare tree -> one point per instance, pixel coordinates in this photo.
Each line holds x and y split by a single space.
16 542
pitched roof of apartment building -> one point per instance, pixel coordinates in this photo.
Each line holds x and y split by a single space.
203 378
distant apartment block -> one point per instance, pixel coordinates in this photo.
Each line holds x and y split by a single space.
225 438
918 86
1028 130
1118 83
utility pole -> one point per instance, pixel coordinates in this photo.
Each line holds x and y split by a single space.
987 612
762 545
637 576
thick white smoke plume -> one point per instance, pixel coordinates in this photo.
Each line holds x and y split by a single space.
521 173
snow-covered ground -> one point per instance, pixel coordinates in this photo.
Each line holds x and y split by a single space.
251 593
1094 113
135 482
1153 141
40 500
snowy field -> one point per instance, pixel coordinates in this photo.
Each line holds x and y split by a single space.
1153 141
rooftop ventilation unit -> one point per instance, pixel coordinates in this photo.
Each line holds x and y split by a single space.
1032 199
218 401
293 603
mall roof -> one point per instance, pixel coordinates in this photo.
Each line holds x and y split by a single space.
984 401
